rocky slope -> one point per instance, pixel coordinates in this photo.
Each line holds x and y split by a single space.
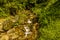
22 26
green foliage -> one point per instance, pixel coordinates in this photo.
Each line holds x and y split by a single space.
48 12
49 21
4 12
